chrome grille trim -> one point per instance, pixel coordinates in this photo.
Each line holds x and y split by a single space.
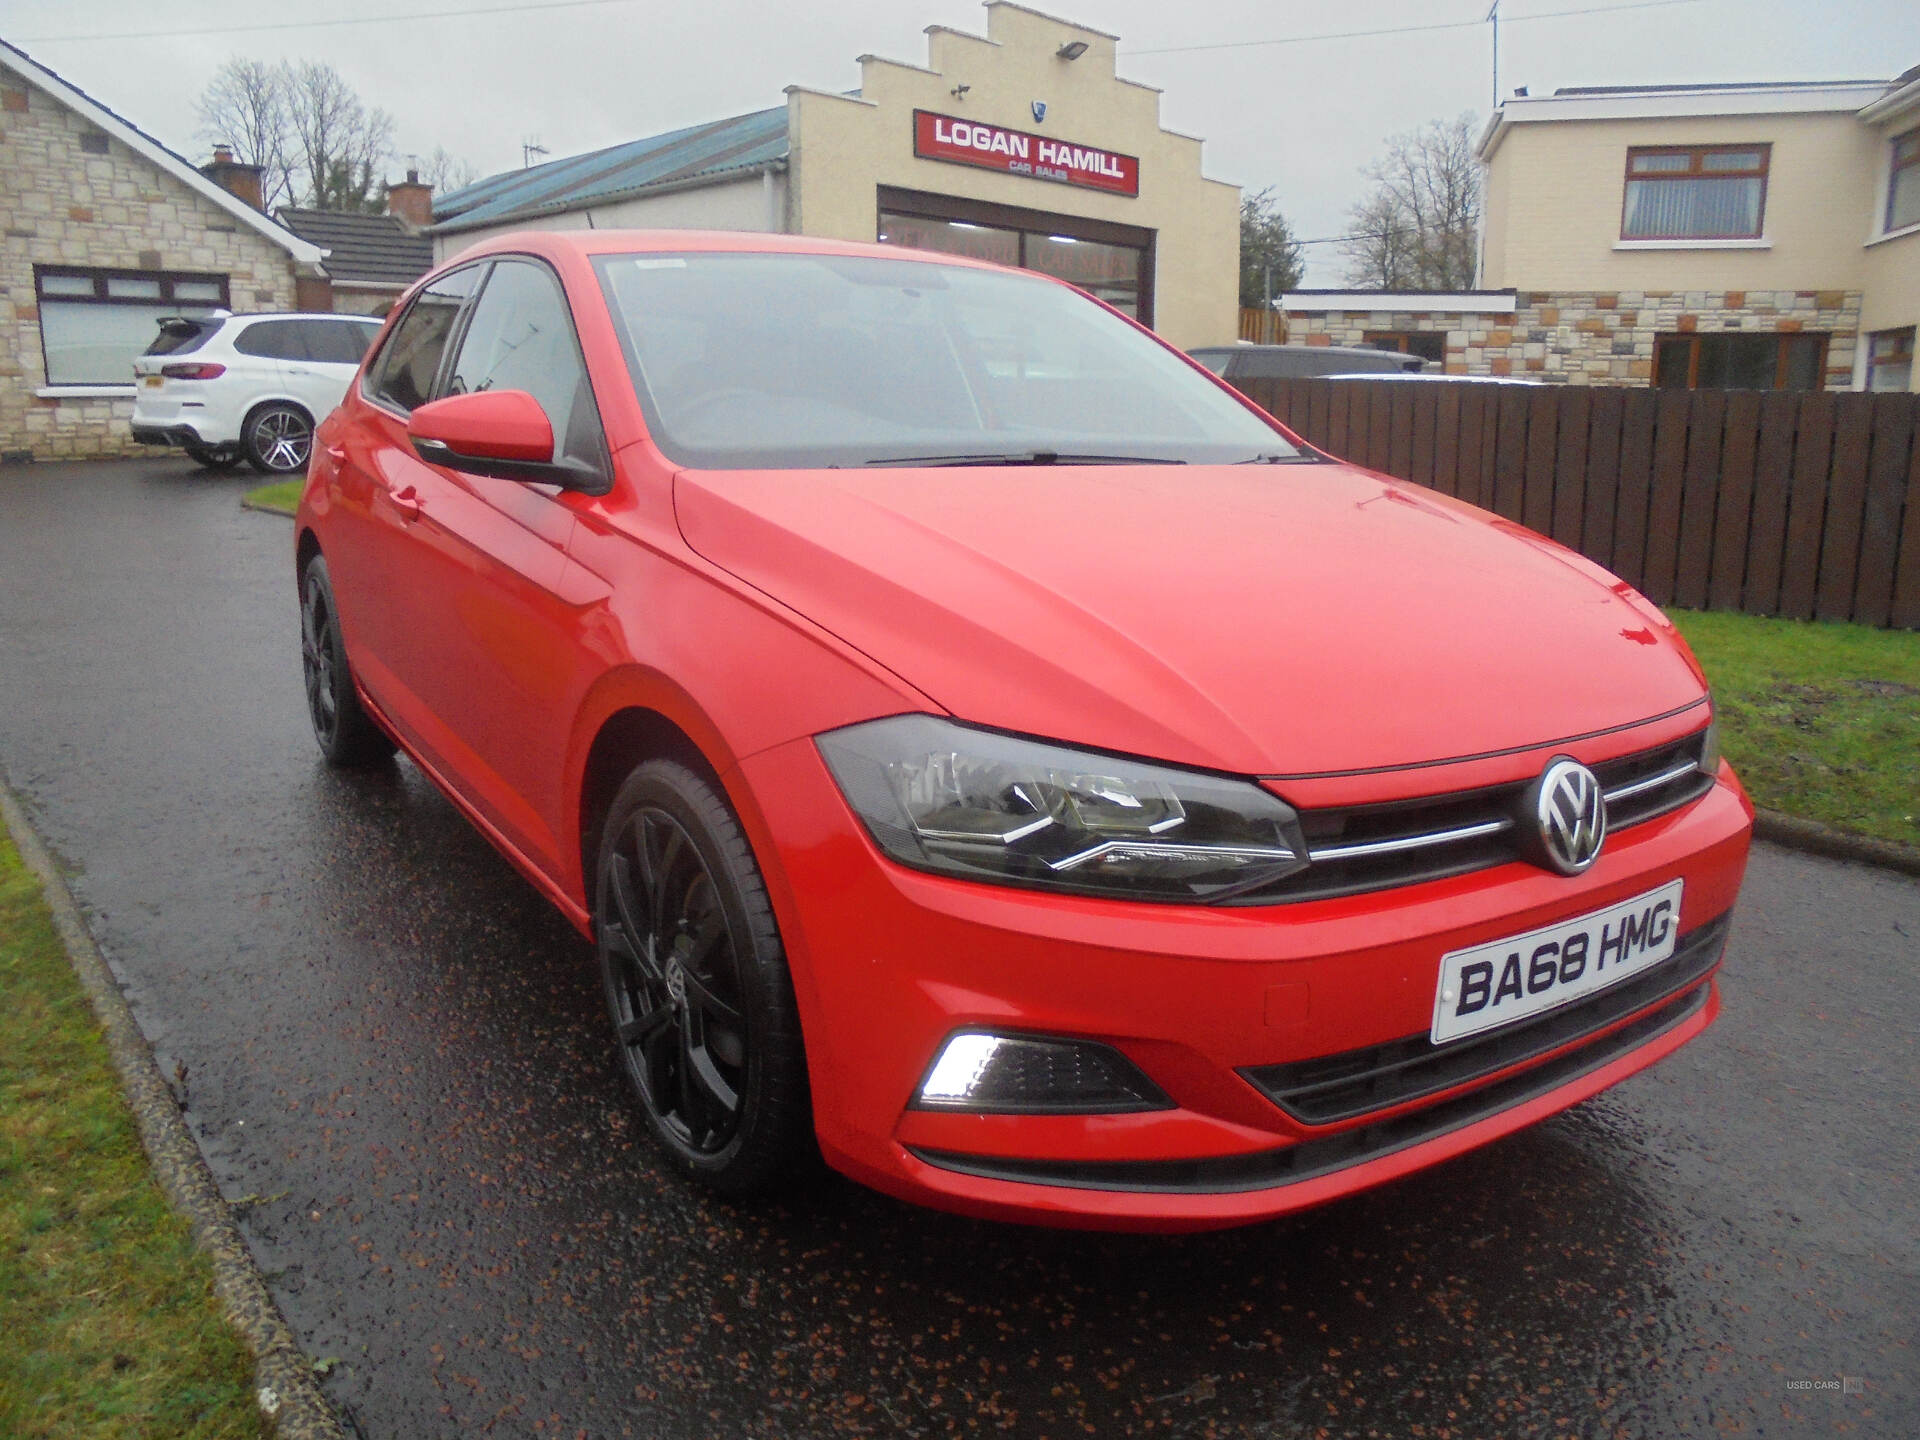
1399 843
1409 842
1651 782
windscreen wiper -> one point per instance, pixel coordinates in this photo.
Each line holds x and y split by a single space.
1028 457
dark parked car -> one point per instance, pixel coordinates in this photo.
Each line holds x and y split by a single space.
1284 362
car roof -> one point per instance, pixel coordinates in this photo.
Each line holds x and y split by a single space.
1247 347
1432 375
284 315
554 243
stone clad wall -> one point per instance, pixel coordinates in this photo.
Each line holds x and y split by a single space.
1601 337
61 205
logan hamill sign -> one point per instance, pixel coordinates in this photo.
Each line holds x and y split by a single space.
1019 152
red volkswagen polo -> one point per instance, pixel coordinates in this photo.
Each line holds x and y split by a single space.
976 739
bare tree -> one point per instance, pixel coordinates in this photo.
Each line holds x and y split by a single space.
1418 228
245 107
341 146
444 171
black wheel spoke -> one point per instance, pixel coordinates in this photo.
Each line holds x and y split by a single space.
642 1028
715 1092
700 995
627 932
693 1110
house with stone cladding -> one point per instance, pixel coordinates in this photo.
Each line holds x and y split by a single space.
106 230
1747 236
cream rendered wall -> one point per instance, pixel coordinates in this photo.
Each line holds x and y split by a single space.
734 205
1891 271
1555 191
1890 268
842 148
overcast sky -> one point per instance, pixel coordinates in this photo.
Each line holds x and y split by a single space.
1303 117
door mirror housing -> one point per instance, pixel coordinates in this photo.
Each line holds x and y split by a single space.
501 433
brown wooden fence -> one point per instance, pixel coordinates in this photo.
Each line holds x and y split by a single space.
1802 505
1263 327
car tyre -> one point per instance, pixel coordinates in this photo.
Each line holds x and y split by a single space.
348 737
697 983
209 457
278 439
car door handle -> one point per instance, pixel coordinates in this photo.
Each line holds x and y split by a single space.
407 501
335 453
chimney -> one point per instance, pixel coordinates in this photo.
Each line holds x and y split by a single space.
237 179
411 202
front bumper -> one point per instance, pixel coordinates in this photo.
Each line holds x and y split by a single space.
887 962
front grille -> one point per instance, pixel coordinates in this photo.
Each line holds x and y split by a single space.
1340 1087
1270 1169
1403 842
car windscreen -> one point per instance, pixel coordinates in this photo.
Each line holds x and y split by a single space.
179 335
782 361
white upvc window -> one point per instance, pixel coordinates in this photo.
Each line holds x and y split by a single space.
94 322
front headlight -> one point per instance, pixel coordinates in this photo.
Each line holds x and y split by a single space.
984 806
1710 747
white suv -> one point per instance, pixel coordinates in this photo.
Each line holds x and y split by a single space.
230 387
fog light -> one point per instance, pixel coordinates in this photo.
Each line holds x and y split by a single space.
1022 1075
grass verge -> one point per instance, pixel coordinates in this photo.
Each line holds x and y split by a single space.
1821 720
107 1311
281 495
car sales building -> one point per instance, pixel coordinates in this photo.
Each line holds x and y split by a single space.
1021 147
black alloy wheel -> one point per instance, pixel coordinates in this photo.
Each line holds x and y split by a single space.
347 736
701 1002
278 439
212 457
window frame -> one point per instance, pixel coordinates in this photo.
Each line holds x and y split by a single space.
1694 171
1895 333
1895 167
1783 342
371 363
602 461
99 277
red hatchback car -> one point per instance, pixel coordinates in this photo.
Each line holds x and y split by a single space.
978 740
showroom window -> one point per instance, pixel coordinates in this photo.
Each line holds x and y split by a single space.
1740 362
1679 192
94 322
1890 360
1903 181
1111 261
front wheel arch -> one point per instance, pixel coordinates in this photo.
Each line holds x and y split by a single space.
628 738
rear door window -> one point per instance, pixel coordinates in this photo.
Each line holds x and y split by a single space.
274 340
403 376
337 342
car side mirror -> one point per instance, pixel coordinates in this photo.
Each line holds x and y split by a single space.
501 433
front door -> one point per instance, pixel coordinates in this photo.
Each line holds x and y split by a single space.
488 629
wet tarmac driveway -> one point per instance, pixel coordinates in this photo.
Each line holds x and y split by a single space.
394 1056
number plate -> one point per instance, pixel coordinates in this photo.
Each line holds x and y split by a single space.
1528 974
